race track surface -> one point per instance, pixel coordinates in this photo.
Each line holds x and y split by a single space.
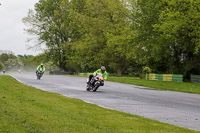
175 108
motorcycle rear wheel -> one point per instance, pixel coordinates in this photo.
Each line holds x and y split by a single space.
87 88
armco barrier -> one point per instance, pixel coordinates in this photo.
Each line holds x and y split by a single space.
195 78
165 77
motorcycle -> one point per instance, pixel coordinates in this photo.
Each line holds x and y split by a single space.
4 71
39 74
95 82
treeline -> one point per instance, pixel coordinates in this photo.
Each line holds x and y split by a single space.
8 61
123 35
25 63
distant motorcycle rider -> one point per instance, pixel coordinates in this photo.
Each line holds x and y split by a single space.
4 71
102 71
40 67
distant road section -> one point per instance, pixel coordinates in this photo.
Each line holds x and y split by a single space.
175 108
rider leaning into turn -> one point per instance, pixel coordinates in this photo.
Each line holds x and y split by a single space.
41 66
102 71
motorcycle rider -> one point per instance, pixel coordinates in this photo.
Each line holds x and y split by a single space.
102 71
4 71
40 67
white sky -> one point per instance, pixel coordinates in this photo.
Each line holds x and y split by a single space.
12 34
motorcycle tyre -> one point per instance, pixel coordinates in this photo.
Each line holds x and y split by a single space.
38 77
95 88
87 88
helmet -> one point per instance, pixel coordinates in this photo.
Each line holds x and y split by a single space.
103 69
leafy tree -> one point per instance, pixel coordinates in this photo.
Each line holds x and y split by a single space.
179 32
124 35
100 26
27 62
79 35
49 22
37 60
8 60
1 66
145 15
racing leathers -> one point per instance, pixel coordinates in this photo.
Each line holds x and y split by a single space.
40 68
95 73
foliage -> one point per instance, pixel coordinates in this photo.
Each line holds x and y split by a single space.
146 70
14 63
49 21
9 60
179 28
1 66
82 35
27 62
166 32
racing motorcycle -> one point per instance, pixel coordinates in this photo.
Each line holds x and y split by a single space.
95 82
39 74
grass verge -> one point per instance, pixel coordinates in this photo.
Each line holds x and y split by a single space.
27 109
160 85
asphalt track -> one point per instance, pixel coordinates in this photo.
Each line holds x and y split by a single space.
180 109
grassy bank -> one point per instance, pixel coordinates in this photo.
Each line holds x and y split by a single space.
160 85
26 109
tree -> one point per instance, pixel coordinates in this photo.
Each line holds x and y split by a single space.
179 32
145 15
5 58
1 66
103 30
49 21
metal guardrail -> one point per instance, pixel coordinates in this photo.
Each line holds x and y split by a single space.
195 78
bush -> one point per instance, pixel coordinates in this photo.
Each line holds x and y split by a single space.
1 65
146 70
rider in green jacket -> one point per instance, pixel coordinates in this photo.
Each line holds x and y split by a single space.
40 67
102 71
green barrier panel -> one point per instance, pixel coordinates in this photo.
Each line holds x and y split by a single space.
85 74
165 77
147 76
177 78
159 77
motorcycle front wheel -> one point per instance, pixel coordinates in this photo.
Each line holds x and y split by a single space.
96 87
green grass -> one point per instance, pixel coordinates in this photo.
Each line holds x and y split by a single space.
160 85
27 109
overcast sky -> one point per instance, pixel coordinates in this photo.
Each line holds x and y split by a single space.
12 35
